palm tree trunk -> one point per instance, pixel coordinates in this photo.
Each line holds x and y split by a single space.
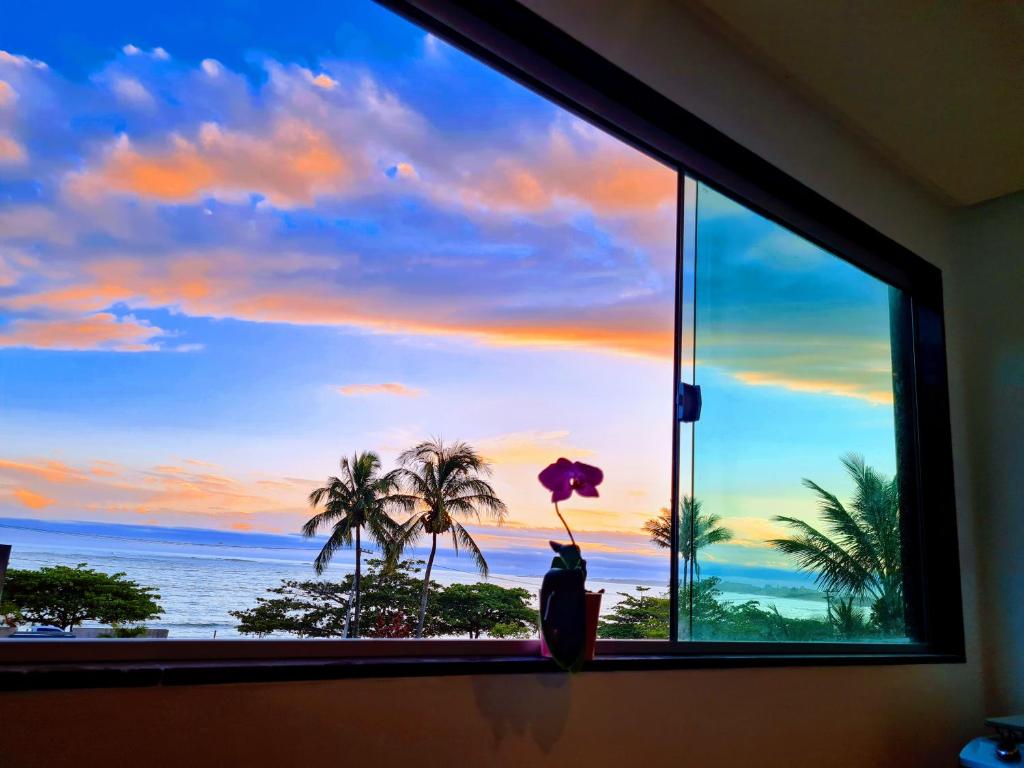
687 595
426 586
357 584
693 566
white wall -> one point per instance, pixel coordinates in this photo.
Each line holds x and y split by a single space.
986 290
856 716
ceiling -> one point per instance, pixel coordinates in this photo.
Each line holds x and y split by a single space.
935 87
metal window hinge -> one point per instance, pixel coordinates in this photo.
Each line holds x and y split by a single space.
688 402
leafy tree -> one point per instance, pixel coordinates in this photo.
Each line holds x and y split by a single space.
510 631
636 617
303 608
443 483
392 602
859 555
718 620
138 631
359 498
644 617
65 596
697 530
390 596
847 620
472 609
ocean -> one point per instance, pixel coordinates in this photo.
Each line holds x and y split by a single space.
201 581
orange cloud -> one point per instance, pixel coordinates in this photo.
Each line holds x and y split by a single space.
100 331
14 266
51 471
325 81
197 499
199 463
647 341
405 171
31 499
255 288
291 166
753 532
582 166
173 495
102 468
33 222
389 388
7 93
11 152
533 448
817 386
793 359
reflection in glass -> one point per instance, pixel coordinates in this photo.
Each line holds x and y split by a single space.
794 514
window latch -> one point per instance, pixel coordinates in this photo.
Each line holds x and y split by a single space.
688 402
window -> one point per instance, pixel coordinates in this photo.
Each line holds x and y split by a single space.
792 514
238 257
269 262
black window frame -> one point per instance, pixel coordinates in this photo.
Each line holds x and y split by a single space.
522 45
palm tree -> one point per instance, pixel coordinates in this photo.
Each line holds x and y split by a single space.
860 554
359 498
697 530
443 483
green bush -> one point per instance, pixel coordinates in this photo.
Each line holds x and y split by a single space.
65 597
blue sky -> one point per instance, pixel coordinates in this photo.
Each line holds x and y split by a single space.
235 245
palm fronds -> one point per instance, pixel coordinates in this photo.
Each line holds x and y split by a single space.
443 483
857 551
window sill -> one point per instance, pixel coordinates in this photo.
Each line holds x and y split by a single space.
138 674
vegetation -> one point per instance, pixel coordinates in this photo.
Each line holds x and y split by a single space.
474 609
441 484
646 617
358 499
391 597
123 632
65 597
859 556
714 619
697 529
856 561
637 618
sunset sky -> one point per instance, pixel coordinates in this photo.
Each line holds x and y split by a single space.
233 250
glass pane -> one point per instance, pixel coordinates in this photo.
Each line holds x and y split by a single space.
687 372
231 255
795 510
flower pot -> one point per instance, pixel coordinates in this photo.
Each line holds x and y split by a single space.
593 611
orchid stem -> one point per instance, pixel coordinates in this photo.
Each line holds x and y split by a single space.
565 524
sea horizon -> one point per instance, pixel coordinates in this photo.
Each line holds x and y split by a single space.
202 574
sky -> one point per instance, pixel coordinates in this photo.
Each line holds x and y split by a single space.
236 245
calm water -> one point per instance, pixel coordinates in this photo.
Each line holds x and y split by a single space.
200 584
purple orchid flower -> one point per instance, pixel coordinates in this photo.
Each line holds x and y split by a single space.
564 476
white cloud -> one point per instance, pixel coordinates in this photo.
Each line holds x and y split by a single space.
17 60
130 90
